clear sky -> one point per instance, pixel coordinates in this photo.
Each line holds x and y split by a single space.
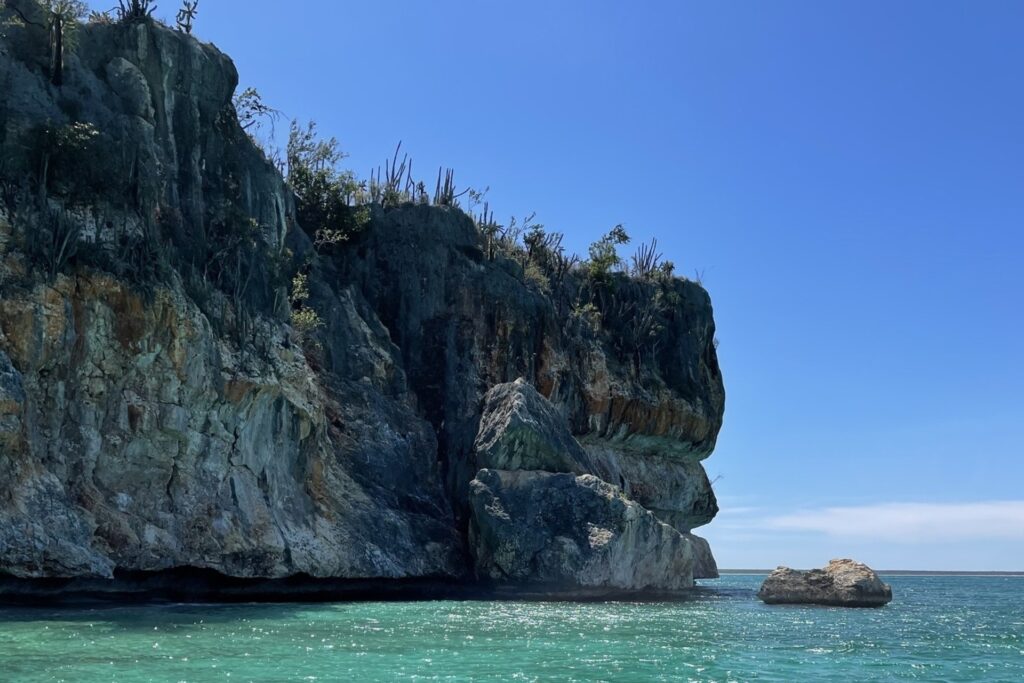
847 176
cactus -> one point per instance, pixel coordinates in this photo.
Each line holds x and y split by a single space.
646 261
445 194
187 15
61 21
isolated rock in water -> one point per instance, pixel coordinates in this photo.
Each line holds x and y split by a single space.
562 530
843 583
522 430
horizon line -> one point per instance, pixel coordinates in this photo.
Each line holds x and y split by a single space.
961 572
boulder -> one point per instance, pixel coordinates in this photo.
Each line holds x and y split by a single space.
568 532
522 430
843 583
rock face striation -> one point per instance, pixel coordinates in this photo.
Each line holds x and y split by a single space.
566 531
843 583
529 524
448 419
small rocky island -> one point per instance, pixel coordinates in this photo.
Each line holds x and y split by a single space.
843 583
214 365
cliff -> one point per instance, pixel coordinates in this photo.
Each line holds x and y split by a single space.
159 413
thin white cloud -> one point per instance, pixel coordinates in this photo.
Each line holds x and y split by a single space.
737 511
910 522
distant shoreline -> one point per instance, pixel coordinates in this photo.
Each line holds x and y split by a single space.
895 572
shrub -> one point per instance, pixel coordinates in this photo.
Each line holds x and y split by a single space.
134 10
604 255
325 192
50 236
304 318
252 111
535 275
101 18
445 194
395 185
587 314
60 153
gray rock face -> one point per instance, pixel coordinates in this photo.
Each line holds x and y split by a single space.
571 531
177 421
12 404
704 564
464 323
149 443
843 583
677 490
521 430
128 81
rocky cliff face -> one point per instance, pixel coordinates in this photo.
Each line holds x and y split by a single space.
157 411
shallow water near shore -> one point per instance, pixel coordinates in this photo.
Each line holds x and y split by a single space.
949 628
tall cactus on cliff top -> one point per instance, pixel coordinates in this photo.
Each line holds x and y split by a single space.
60 19
445 194
187 15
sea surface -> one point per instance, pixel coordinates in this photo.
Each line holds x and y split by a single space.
946 628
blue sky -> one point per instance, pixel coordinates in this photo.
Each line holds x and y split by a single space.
848 177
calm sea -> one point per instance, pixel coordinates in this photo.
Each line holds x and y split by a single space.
937 629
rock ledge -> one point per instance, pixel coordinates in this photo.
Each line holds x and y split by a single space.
843 583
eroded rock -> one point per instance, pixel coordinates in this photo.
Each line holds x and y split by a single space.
676 489
704 564
843 583
521 430
571 531
138 439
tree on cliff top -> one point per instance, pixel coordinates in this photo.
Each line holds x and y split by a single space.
325 192
604 254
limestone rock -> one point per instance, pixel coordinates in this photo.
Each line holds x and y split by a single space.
676 489
704 564
146 443
12 404
157 412
521 430
569 531
130 84
466 319
843 583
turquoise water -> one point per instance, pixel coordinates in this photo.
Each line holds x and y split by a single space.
937 629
